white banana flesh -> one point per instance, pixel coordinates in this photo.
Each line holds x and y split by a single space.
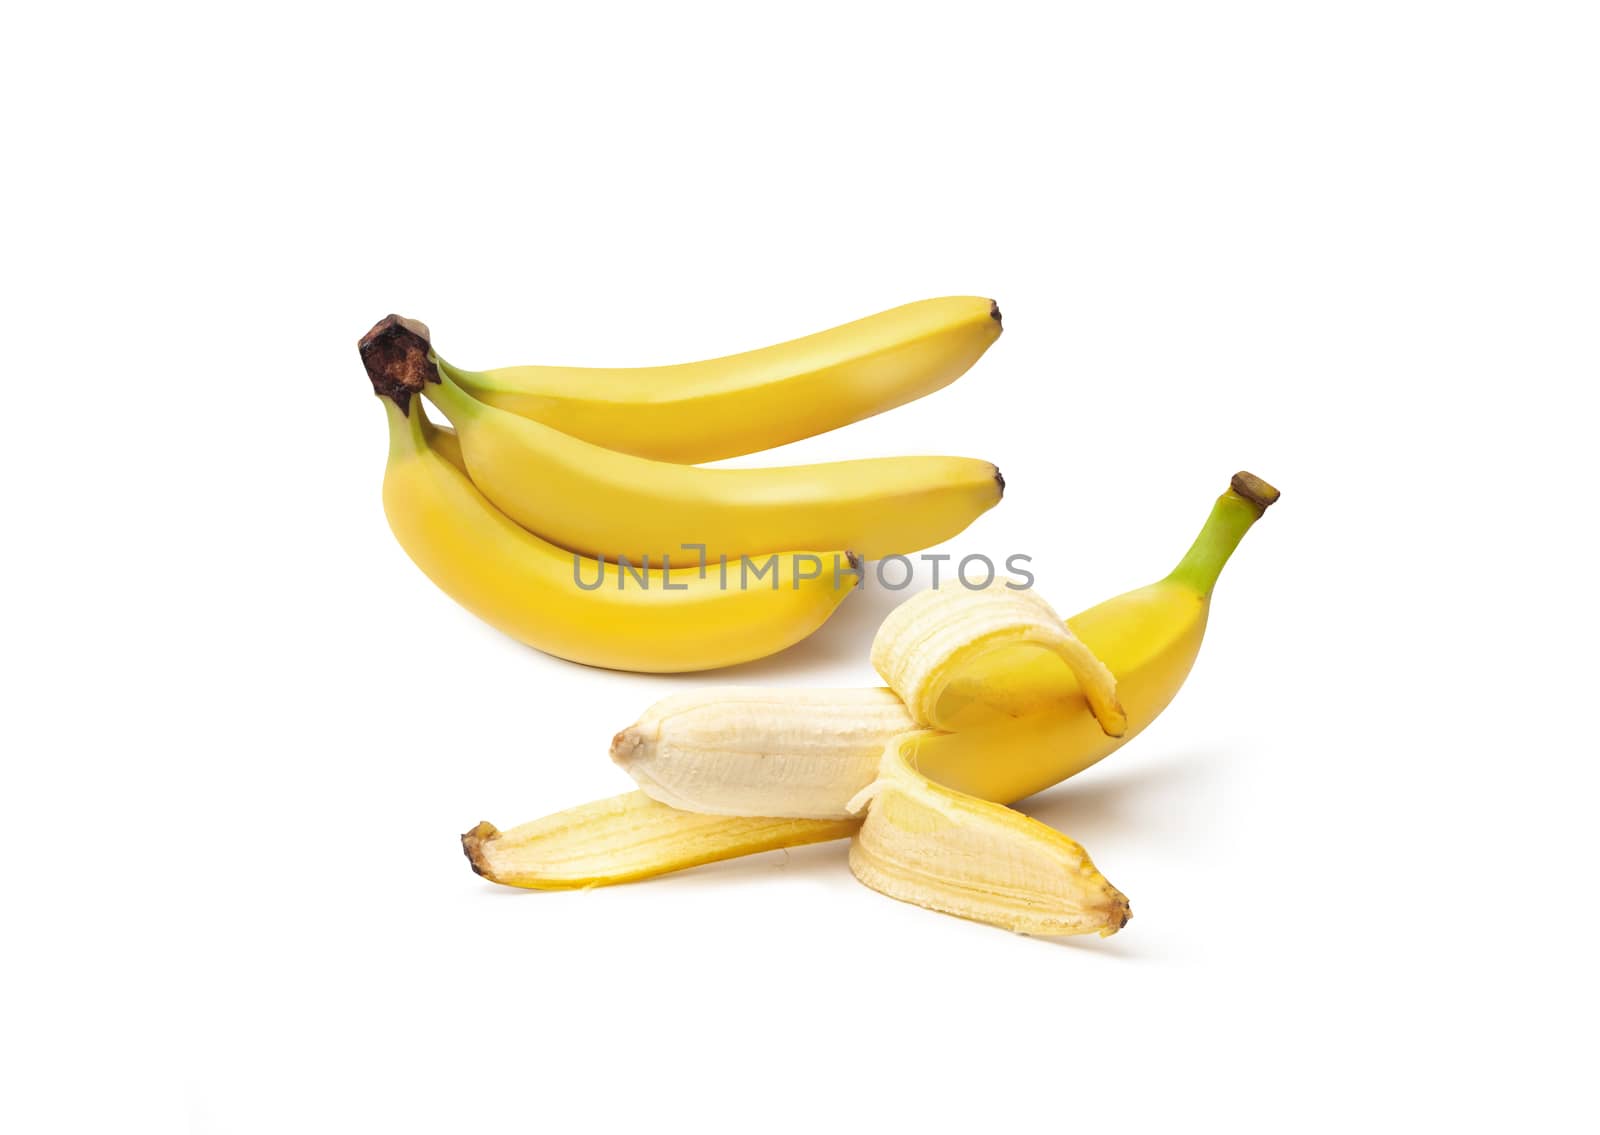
926 844
751 752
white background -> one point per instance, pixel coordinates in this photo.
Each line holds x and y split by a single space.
1350 247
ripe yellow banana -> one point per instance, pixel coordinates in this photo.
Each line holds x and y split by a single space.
603 503
738 404
1021 720
925 844
529 588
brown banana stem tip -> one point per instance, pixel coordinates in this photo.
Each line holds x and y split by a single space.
396 353
994 314
1254 490
472 843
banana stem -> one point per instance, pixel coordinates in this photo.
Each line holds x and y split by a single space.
406 437
1231 517
456 403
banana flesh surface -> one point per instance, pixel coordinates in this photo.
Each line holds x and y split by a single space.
754 752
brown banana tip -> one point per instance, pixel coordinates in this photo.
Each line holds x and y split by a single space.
855 561
1254 490
398 355
472 844
624 745
1000 480
994 314
1120 917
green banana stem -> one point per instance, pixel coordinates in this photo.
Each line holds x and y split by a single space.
469 378
405 429
1231 517
456 403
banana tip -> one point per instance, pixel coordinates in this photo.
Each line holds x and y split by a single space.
1000 480
472 844
994 314
625 746
1119 918
1254 490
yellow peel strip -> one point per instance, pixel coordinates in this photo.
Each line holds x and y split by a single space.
928 642
625 838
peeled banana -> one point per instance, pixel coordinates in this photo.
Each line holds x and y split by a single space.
933 833
738 404
1021 718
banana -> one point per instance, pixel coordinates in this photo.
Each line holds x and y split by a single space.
443 441
603 503
625 838
738 752
738 404
1022 720
925 844
530 590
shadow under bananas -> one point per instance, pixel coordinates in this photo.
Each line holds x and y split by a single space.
1159 797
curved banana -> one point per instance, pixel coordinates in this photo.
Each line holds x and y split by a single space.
1025 723
600 502
530 589
739 404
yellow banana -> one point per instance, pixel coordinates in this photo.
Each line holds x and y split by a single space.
443 441
738 404
1021 719
604 503
947 851
530 589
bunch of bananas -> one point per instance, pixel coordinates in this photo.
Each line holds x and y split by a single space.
991 697
566 508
